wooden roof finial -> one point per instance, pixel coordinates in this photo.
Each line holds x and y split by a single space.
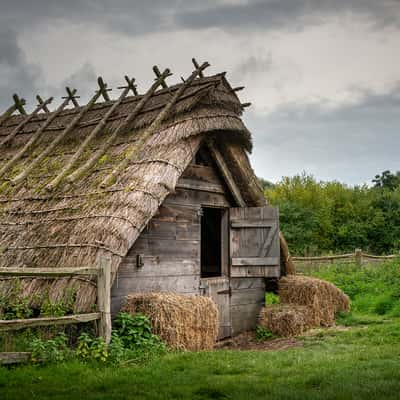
42 103
160 77
197 66
71 96
19 104
130 84
103 88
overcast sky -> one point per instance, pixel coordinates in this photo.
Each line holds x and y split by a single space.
323 76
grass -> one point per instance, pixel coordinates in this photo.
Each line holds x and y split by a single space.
360 362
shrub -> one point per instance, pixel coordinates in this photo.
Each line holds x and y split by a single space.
52 350
263 333
90 348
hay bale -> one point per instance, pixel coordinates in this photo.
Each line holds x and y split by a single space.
182 322
286 320
324 299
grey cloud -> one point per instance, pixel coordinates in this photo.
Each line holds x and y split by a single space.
17 75
350 143
288 14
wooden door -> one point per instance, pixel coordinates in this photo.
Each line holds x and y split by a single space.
219 290
254 242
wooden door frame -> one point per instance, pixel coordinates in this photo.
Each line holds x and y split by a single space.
225 241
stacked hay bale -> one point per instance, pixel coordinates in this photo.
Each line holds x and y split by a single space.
182 322
285 320
305 302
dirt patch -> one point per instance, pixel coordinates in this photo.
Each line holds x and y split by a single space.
248 341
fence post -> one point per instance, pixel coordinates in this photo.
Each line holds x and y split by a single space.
104 297
358 256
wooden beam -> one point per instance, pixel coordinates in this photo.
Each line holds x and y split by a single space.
84 145
7 114
247 223
25 121
202 186
104 298
15 324
19 104
255 261
34 137
154 127
103 88
71 96
226 174
7 358
20 177
41 102
125 124
48 272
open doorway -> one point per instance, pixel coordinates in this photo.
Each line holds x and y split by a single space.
211 242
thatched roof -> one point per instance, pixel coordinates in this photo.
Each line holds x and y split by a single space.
54 216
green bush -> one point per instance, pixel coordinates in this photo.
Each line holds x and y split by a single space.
271 298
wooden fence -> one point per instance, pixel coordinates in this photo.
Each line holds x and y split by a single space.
103 274
358 257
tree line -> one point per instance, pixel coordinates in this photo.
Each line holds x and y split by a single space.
319 217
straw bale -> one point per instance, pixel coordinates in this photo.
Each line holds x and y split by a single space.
183 322
286 320
324 299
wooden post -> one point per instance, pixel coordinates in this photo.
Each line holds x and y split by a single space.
358 256
104 297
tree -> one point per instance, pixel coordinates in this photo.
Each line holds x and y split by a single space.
387 180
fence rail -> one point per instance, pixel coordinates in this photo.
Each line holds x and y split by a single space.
358 257
103 274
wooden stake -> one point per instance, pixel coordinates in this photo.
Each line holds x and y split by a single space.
159 76
7 114
155 125
57 180
33 138
103 88
41 102
19 104
25 121
71 96
19 178
104 298
197 66
238 89
125 125
130 84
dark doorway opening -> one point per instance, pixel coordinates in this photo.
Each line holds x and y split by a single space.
211 242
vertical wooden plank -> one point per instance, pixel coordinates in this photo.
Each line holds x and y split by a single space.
104 297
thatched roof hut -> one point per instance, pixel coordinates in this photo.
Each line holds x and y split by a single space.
79 182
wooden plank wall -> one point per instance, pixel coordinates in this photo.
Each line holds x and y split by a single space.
170 247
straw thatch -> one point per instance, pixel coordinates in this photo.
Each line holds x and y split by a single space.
182 322
70 224
286 320
323 298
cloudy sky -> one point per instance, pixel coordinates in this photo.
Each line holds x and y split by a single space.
323 75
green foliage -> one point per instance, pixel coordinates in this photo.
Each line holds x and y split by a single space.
271 298
52 350
387 180
263 333
14 305
91 349
320 217
134 331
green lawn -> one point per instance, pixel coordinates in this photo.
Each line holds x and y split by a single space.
361 362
